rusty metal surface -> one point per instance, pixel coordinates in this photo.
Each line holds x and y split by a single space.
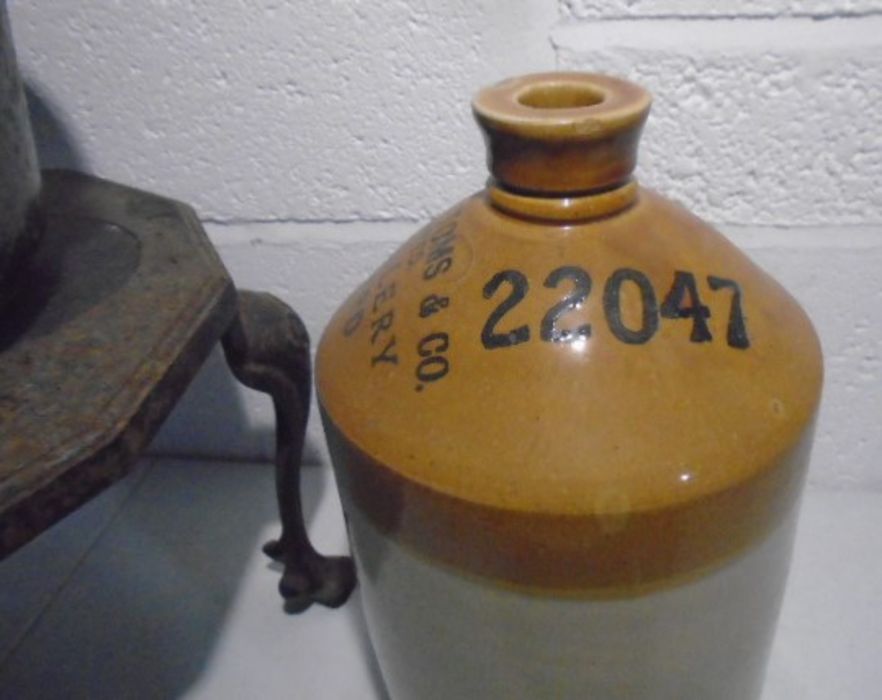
267 347
122 302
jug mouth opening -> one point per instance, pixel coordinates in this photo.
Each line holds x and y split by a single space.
555 95
561 132
561 106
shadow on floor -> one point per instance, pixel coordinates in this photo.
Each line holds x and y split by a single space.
176 577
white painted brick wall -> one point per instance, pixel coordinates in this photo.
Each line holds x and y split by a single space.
307 110
754 121
314 136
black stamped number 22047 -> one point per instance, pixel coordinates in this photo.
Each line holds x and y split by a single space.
682 301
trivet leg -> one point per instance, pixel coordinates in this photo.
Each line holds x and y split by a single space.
267 348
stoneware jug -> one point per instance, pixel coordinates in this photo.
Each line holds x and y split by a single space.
570 423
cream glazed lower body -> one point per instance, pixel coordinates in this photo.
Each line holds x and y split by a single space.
440 635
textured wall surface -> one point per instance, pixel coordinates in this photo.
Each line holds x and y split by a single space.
305 110
822 9
313 137
755 125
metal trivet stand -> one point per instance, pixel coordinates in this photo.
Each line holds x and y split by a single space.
110 301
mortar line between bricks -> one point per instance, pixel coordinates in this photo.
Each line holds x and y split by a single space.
281 235
246 221
830 238
766 34
281 232
862 228
571 20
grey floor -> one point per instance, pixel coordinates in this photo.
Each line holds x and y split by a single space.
158 589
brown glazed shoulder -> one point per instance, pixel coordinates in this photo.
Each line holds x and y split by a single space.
480 414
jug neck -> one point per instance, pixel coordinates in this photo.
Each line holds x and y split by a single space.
565 208
562 146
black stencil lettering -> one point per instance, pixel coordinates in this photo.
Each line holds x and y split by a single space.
434 365
736 333
431 369
549 330
432 304
684 288
433 344
353 322
613 308
384 295
519 286
438 267
383 323
386 355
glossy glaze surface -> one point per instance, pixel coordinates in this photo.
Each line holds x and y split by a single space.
626 442
561 132
570 423
441 635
